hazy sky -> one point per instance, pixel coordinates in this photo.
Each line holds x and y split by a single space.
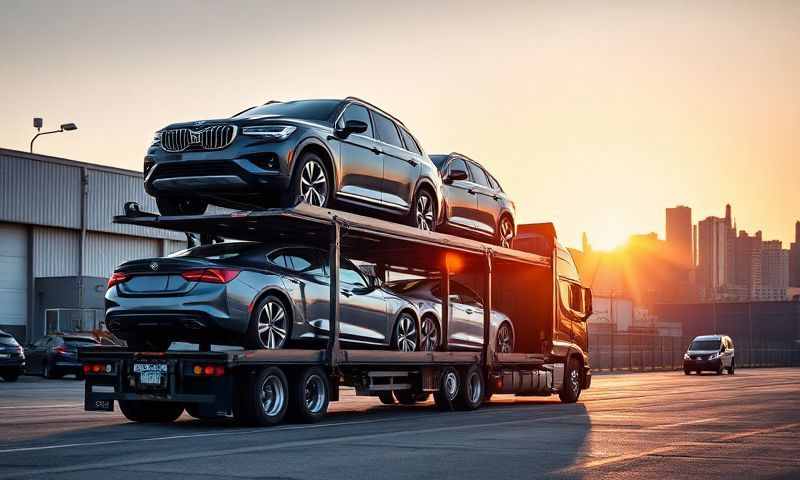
595 115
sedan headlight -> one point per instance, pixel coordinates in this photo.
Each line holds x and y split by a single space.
272 132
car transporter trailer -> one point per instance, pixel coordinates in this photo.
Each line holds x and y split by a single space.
261 387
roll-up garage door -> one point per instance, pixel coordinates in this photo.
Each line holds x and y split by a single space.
13 275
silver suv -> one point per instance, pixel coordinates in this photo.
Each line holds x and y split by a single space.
710 353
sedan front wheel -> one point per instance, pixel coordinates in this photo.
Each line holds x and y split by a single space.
406 336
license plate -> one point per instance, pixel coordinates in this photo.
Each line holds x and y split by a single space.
150 373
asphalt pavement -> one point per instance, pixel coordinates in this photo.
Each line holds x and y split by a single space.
638 425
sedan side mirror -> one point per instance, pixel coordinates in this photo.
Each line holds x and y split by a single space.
455 175
350 127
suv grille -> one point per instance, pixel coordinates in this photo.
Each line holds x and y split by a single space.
191 169
214 137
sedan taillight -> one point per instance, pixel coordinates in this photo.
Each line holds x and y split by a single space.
117 277
211 275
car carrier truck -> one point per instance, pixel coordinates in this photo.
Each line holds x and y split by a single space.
535 284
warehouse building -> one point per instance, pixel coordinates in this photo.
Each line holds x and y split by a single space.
57 242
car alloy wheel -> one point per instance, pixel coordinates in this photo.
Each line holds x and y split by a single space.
314 183
406 334
429 334
506 232
272 325
424 212
505 339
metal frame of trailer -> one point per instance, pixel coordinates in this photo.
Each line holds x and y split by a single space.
369 371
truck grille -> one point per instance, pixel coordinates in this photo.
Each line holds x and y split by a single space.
215 137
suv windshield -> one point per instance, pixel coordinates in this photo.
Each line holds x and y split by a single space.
319 110
8 340
705 345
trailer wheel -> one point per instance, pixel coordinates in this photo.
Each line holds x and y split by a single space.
150 412
310 396
449 386
571 389
471 394
264 398
386 397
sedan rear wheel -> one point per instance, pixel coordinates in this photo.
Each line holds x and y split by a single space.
270 327
406 338
505 232
504 339
429 334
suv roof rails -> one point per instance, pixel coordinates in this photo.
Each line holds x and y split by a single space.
356 99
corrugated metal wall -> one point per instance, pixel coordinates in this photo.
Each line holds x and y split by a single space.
39 192
107 192
106 251
172 246
55 252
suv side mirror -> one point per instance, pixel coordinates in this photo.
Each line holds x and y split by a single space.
350 127
455 175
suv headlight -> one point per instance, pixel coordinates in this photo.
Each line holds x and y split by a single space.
272 132
156 138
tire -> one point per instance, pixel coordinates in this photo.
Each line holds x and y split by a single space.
449 387
172 206
271 325
312 180
732 368
571 389
429 334
422 214
264 398
504 338
386 397
150 412
405 337
309 396
11 377
471 396
148 344
505 231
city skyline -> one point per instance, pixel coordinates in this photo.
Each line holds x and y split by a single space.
592 115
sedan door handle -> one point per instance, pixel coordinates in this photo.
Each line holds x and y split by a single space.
469 311
411 161
294 280
346 292
472 191
376 150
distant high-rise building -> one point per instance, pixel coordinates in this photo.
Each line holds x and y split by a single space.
712 261
774 271
747 265
794 258
679 234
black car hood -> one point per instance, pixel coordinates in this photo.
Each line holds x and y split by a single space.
242 121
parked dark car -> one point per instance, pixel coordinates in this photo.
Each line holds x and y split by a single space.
12 358
466 325
262 296
473 201
710 353
346 152
54 356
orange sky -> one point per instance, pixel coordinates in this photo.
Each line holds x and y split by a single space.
596 115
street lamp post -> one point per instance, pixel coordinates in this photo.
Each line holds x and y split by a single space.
38 123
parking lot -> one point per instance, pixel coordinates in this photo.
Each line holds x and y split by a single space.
644 425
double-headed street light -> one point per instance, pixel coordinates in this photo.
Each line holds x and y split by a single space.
38 123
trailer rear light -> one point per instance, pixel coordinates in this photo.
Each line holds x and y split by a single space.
209 370
97 368
211 275
116 278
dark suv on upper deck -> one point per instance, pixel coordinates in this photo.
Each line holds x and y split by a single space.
321 151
